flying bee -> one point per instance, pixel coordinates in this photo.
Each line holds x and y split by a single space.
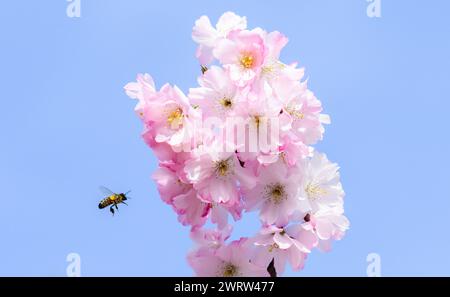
203 68
112 199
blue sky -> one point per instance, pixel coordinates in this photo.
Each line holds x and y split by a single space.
67 127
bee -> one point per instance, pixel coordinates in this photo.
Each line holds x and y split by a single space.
112 199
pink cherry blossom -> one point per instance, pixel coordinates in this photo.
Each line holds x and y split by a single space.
233 260
320 185
210 239
169 183
169 116
190 209
242 53
241 141
215 174
274 43
329 224
221 211
207 36
302 112
275 195
217 94
181 195
143 89
261 117
290 244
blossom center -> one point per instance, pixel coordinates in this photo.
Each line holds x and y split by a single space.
247 61
226 102
314 191
272 68
175 117
229 270
276 193
222 167
272 247
295 112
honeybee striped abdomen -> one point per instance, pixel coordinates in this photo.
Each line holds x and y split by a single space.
105 202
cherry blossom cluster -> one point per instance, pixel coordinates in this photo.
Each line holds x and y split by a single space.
239 142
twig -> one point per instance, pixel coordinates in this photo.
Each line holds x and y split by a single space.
271 269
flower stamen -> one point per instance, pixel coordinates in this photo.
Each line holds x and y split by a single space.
247 61
174 119
229 270
226 102
295 112
222 167
272 247
314 191
276 193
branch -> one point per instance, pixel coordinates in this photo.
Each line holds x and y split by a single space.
271 268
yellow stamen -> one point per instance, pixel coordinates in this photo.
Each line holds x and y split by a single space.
276 193
229 270
247 61
314 191
272 68
272 247
222 167
295 112
175 117
226 102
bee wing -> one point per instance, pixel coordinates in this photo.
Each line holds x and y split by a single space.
106 191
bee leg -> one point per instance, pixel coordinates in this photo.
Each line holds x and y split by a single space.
116 206
111 209
125 203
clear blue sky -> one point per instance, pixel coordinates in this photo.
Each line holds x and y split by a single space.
67 127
